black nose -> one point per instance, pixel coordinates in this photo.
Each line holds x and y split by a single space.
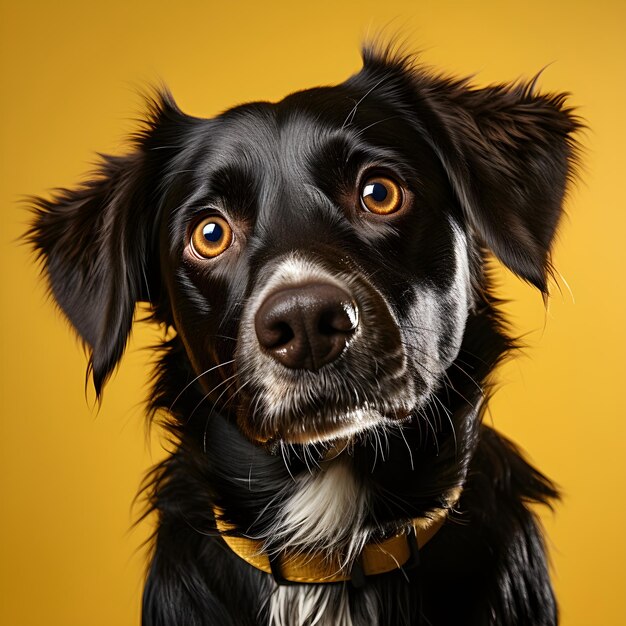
306 326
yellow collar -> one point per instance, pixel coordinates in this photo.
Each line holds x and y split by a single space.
377 557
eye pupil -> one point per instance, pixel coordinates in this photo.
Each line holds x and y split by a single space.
212 232
378 192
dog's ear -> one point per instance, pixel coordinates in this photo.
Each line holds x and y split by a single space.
509 157
97 243
508 152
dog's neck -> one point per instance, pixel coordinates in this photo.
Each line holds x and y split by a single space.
321 532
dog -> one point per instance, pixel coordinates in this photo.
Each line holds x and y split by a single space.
321 267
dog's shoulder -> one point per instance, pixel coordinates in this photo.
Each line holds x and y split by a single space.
494 542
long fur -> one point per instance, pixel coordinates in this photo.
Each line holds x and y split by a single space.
327 459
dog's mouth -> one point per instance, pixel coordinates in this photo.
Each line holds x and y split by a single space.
345 427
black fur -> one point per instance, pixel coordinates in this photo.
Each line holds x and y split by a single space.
493 162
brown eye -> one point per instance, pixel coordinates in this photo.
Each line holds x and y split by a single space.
211 237
381 195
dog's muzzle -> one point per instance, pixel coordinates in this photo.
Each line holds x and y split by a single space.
320 356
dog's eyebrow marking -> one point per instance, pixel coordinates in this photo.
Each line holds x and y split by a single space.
235 185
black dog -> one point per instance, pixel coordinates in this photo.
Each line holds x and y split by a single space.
320 264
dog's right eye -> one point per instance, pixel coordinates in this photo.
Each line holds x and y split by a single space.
211 237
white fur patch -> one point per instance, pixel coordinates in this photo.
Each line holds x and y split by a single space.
325 513
460 293
311 605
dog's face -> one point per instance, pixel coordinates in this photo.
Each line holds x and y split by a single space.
320 257
325 257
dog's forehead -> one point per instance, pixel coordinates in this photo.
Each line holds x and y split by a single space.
278 137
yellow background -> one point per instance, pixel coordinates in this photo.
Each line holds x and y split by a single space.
70 72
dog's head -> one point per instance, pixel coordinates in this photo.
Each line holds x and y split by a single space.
320 257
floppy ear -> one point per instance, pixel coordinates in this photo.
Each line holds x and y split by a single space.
509 154
97 242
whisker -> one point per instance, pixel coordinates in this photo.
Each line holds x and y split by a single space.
197 378
408 447
211 412
207 395
448 414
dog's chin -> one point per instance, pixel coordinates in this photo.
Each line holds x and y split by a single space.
344 428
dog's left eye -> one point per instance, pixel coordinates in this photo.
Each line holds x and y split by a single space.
381 195
210 237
